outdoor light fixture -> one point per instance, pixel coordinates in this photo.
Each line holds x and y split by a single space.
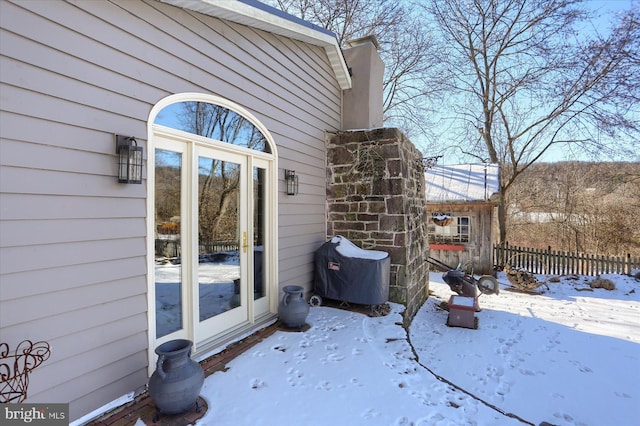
292 182
129 159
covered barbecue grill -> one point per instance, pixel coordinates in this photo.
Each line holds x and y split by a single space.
348 273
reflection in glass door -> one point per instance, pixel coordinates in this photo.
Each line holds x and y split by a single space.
222 241
213 216
259 253
168 266
261 247
202 240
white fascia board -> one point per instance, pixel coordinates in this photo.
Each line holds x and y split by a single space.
246 14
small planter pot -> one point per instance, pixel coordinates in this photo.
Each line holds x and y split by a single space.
175 385
293 309
442 220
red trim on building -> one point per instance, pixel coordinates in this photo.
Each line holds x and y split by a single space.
452 247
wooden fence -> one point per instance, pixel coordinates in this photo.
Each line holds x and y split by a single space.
540 261
171 248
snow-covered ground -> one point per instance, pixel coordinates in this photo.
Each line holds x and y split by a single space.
569 356
216 290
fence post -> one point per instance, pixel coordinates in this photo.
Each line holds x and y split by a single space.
507 252
619 266
548 263
573 265
496 255
579 263
559 260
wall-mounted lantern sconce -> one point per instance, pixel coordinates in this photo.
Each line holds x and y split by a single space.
129 159
291 180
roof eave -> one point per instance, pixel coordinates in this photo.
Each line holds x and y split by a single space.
248 13
493 199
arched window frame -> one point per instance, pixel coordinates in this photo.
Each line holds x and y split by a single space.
272 157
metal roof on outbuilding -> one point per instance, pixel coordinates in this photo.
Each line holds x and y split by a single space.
462 182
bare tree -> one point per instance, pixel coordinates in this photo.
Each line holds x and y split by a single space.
410 54
218 180
588 207
524 79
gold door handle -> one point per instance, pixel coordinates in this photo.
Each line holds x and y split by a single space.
244 242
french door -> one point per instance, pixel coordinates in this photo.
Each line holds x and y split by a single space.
211 260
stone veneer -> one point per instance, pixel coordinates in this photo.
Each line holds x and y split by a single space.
376 199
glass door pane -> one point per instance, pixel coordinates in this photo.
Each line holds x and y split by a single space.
259 248
168 220
220 281
219 239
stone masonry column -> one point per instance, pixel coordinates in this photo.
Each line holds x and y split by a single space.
376 198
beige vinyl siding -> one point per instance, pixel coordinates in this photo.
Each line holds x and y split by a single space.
18 207
72 240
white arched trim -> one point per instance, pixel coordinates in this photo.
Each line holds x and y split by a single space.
271 214
211 99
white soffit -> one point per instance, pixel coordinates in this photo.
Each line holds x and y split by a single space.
253 16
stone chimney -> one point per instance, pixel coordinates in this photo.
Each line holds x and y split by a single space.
362 104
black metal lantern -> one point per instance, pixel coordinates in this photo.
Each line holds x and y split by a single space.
129 159
291 180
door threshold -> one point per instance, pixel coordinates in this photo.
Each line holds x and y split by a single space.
220 343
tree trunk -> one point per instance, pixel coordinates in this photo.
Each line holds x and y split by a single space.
502 217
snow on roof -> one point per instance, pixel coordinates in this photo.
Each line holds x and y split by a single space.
462 182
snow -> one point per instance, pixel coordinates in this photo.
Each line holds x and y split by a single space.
568 356
462 182
463 301
216 290
348 249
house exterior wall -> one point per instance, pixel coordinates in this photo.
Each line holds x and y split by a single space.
73 240
479 249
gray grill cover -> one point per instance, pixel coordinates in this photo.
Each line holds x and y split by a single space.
340 275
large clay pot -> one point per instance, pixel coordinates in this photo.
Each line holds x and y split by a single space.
293 309
175 385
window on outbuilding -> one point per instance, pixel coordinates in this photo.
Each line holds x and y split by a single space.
457 231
